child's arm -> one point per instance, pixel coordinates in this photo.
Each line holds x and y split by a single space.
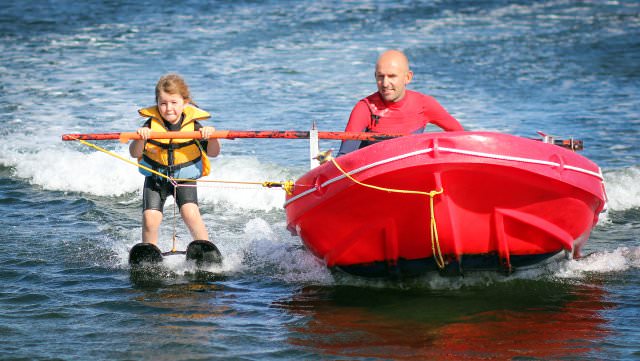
136 148
213 148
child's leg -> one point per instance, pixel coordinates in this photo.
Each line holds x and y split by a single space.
151 220
191 215
154 195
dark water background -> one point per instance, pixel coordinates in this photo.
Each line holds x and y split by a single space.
69 214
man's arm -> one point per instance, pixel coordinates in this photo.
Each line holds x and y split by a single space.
439 116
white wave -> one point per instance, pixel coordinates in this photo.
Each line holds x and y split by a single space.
267 249
617 260
623 188
240 171
70 167
260 248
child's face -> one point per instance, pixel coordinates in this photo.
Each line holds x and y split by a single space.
171 106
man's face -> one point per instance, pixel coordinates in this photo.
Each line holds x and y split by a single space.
392 77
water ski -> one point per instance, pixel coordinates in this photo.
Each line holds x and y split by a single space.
144 253
203 252
200 251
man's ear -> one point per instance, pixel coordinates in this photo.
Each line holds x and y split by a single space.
409 77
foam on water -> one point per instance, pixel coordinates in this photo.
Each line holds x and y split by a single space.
623 188
69 170
260 248
617 260
267 249
247 196
564 270
70 167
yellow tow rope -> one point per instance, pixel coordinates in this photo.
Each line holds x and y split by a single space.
287 186
435 242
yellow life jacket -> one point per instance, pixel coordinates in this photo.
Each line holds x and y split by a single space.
178 158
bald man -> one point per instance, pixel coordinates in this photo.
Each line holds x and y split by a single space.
394 108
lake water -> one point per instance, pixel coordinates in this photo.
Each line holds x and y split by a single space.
69 214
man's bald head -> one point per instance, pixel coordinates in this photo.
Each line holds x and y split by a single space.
393 57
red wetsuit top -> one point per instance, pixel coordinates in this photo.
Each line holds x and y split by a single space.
409 115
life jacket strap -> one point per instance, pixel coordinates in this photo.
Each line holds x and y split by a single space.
168 169
171 146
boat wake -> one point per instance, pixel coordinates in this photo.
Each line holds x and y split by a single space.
623 188
595 265
263 250
620 259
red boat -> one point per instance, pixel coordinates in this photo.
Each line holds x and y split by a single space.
449 202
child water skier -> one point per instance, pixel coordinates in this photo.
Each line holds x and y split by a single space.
175 158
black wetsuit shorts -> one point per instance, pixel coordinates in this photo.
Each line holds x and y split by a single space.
156 190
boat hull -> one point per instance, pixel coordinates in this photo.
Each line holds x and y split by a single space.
506 202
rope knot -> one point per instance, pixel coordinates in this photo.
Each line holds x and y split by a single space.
434 193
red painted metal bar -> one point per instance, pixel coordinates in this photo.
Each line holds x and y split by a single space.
233 134
573 144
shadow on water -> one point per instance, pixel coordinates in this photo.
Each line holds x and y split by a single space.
519 318
175 311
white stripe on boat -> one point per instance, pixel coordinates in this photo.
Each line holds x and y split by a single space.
450 150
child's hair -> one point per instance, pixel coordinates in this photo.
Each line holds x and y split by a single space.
173 84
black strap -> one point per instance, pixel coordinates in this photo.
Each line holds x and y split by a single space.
375 119
168 169
171 145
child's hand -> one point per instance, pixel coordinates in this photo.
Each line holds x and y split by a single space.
144 132
207 131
